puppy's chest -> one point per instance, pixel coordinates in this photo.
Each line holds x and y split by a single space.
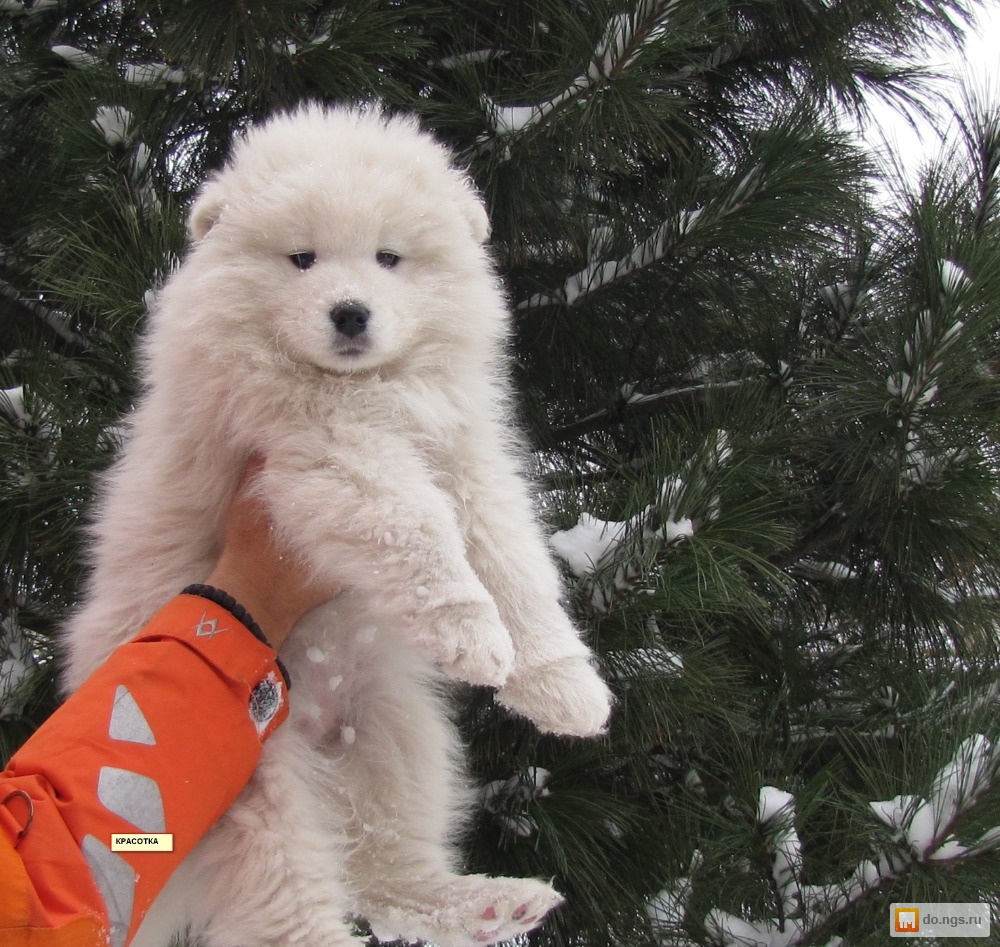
428 413
393 447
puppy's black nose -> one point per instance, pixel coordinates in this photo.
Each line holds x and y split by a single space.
350 318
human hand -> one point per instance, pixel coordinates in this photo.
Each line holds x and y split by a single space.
266 579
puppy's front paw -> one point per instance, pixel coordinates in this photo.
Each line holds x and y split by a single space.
565 697
468 641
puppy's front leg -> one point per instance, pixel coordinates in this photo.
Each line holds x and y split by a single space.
370 517
552 682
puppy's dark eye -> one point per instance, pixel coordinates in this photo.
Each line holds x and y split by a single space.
303 260
387 259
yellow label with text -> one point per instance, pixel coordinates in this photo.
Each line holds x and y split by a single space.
143 842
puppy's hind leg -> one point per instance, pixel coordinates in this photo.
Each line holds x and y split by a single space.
269 872
409 804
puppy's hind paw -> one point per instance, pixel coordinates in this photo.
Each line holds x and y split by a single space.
464 911
564 697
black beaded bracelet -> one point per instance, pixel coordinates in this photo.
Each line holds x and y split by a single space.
226 601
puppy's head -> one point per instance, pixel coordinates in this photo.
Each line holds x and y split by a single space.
346 240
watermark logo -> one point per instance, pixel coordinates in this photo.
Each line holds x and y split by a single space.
939 919
906 920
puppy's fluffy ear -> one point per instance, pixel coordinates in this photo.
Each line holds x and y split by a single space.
206 210
473 209
479 221
470 203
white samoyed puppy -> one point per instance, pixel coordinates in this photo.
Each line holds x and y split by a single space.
338 314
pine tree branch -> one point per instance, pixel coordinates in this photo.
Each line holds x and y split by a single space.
670 399
51 322
788 43
623 39
829 531
667 240
923 834
17 8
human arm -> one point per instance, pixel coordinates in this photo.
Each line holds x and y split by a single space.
160 739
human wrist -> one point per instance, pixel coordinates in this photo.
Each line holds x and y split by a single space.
268 623
239 579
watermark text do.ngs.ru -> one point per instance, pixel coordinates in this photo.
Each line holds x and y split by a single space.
939 919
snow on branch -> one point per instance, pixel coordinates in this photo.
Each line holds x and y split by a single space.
610 556
668 909
914 387
143 73
113 122
598 274
18 661
116 127
663 241
922 832
470 58
619 46
153 73
821 570
509 800
12 405
732 931
74 56
776 817
27 413
54 320
39 6
634 401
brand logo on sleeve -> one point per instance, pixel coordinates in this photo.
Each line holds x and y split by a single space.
208 627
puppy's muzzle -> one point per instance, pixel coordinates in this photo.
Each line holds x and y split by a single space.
350 319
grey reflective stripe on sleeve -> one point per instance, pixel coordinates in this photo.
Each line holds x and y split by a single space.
136 798
116 881
127 721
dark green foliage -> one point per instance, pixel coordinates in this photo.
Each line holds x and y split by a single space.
777 390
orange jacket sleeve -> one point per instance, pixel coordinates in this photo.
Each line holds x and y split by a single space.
160 739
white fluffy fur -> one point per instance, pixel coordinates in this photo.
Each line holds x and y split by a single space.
390 467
